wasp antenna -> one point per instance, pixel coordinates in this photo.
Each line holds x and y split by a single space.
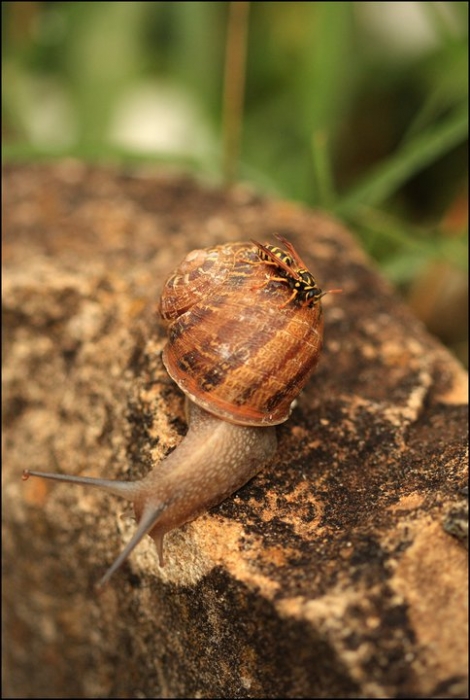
331 291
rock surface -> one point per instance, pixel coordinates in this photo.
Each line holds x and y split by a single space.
339 571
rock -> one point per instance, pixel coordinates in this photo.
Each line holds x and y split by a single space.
339 571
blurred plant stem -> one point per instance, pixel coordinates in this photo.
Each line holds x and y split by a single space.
323 171
234 87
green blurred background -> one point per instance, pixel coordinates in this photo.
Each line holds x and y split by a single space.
359 108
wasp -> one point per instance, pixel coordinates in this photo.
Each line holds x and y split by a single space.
292 271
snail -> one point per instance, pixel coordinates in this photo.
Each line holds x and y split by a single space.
245 331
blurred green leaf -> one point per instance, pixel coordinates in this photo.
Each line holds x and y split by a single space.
324 71
385 179
323 170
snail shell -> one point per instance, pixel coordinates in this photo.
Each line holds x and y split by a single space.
234 347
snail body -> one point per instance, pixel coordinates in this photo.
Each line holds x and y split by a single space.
241 346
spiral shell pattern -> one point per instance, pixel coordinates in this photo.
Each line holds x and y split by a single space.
235 347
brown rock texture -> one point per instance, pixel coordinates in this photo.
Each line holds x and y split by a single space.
339 571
